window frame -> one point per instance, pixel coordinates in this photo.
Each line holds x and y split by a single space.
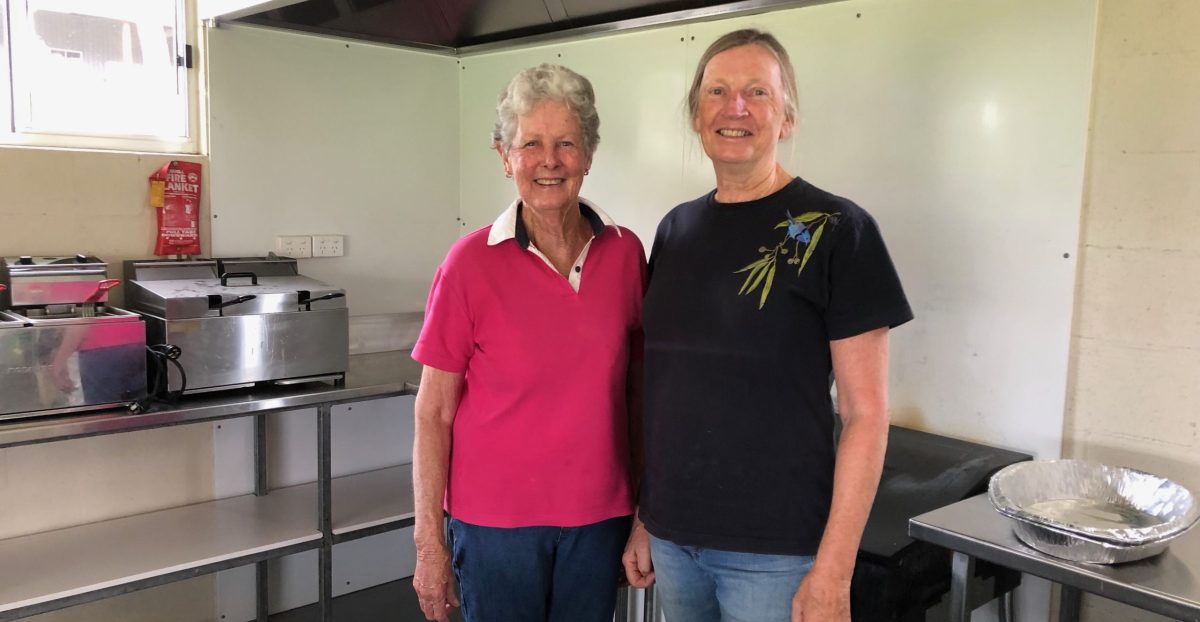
6 112
194 144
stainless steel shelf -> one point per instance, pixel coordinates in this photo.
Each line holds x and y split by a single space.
47 571
374 502
371 376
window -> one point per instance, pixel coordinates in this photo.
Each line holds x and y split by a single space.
84 73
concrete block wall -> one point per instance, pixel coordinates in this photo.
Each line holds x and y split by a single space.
1135 370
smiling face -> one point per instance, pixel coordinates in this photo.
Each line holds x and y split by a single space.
547 158
740 115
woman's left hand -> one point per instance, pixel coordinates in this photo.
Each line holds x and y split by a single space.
822 598
639 570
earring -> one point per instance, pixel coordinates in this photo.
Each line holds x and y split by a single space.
508 174
586 171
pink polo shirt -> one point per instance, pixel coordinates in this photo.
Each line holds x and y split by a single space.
541 434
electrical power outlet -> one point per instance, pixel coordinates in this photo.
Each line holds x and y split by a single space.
329 245
294 246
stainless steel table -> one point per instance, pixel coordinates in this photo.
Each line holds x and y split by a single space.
1166 584
371 376
47 571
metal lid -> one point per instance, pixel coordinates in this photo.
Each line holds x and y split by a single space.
28 265
37 281
232 285
212 288
169 269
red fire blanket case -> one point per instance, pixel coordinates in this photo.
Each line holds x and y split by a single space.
175 192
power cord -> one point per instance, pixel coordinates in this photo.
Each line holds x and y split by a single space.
160 357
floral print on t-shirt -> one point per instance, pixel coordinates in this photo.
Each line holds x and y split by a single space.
805 230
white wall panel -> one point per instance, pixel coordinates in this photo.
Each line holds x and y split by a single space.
961 126
315 135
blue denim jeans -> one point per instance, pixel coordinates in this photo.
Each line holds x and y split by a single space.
538 574
707 585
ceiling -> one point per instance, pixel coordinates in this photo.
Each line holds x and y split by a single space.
455 26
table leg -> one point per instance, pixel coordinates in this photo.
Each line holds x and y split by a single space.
1070 601
325 511
261 573
650 606
260 455
1004 606
962 568
622 610
262 614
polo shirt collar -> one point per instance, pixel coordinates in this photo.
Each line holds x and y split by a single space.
510 226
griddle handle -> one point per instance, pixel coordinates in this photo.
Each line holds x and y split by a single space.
215 301
238 275
307 302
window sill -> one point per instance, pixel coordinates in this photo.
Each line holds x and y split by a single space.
102 150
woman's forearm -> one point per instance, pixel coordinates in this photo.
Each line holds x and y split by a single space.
860 368
437 401
856 477
431 462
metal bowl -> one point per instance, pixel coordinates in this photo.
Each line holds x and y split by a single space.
1090 512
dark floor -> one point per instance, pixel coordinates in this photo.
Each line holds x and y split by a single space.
390 602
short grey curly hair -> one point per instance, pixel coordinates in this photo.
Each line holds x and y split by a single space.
538 84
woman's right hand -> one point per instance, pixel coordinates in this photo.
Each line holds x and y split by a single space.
437 591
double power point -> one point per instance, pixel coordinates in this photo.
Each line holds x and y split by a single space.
304 246
328 245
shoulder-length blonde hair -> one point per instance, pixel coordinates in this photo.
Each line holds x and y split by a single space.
738 38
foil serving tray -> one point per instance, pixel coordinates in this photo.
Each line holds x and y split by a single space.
1091 512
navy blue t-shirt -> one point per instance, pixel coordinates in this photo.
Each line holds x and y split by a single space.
743 301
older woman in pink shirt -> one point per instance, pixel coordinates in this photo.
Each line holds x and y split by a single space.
522 419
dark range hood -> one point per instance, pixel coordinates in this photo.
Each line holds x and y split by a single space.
456 26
